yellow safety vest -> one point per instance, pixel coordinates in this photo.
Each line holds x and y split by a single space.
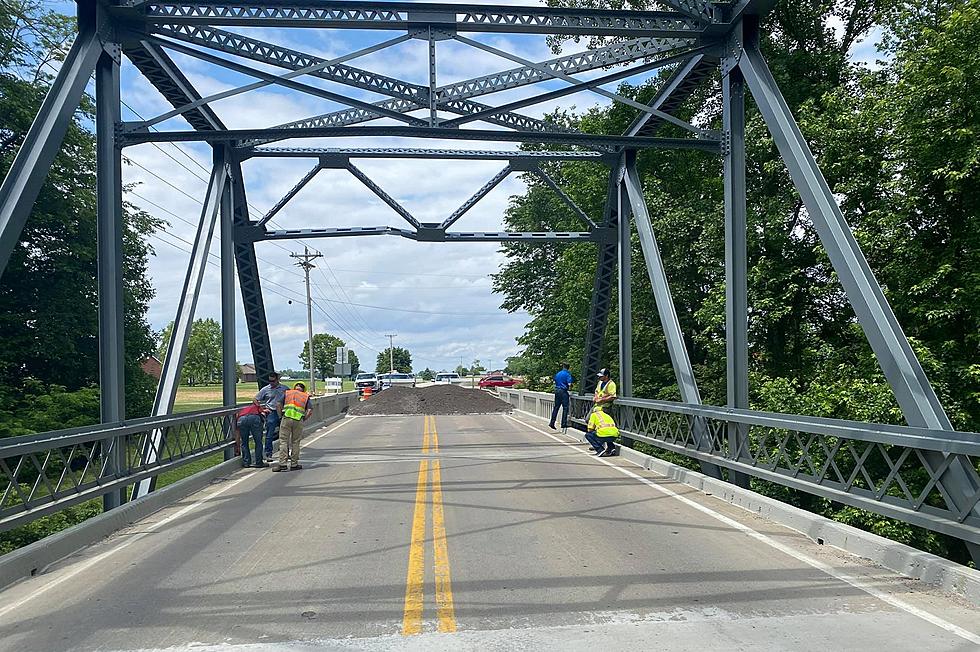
294 407
607 388
604 424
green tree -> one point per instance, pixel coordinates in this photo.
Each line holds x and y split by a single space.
476 367
48 292
427 374
202 361
402 358
324 353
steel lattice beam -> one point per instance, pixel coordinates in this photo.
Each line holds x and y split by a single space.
583 140
440 236
419 153
407 96
160 70
602 286
401 15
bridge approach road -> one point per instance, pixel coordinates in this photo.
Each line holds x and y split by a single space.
467 532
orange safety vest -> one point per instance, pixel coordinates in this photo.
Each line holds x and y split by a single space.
294 406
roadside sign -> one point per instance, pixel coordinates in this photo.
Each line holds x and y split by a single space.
343 355
341 369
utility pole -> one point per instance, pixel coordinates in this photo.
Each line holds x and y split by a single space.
391 352
304 262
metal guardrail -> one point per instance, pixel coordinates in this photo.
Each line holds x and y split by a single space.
47 472
895 471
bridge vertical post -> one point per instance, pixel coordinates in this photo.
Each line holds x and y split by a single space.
601 289
625 288
248 281
736 250
229 364
915 395
676 347
112 352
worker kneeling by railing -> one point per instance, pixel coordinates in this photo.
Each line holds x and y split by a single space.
601 432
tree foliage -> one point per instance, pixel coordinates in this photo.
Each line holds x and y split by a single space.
48 292
898 143
202 361
402 361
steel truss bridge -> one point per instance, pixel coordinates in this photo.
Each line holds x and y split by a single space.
696 42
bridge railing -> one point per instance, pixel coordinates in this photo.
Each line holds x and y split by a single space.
896 471
44 473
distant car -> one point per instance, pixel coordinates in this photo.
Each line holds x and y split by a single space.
497 381
399 379
450 377
365 380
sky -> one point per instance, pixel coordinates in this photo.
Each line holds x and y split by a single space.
435 297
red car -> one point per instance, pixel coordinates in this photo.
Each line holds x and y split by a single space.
497 381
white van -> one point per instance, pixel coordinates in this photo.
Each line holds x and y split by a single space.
448 377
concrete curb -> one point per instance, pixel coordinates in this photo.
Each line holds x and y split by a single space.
36 557
916 564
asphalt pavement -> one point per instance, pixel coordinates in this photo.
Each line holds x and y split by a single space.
482 532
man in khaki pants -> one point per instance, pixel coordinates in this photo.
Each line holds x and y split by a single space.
294 410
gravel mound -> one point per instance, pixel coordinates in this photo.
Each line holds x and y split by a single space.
435 399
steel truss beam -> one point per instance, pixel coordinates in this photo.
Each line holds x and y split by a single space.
289 195
454 97
163 404
161 71
675 91
595 333
344 153
480 194
30 167
575 88
568 201
401 15
616 97
914 393
385 197
676 347
583 140
285 81
109 239
249 282
434 234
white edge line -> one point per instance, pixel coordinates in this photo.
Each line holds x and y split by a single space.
806 559
82 567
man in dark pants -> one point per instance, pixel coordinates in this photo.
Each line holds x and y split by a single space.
563 382
271 398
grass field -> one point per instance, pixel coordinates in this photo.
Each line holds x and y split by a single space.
200 397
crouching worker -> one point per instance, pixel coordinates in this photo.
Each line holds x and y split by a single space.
294 410
250 428
601 432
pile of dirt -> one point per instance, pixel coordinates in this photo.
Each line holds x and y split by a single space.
435 399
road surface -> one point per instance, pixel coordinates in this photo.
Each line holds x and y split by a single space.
481 532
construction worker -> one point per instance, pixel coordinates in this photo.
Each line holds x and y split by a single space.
601 432
294 410
605 391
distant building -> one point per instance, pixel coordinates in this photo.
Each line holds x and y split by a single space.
248 373
152 367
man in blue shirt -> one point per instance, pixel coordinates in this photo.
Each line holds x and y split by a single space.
563 382
271 397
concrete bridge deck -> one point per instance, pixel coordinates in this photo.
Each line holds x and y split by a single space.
478 532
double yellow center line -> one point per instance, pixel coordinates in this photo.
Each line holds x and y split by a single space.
414 595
